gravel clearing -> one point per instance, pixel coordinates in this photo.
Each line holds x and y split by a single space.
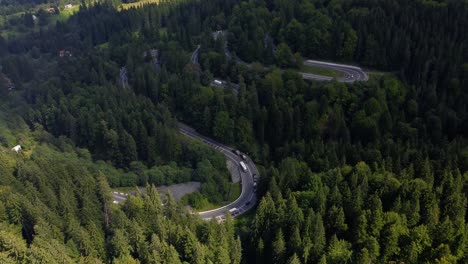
234 170
179 190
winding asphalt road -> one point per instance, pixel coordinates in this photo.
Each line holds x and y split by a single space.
350 73
247 198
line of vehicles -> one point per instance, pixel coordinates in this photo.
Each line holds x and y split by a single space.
241 163
243 157
240 154
244 167
235 211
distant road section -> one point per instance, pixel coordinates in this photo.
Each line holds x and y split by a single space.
119 197
350 73
226 85
194 57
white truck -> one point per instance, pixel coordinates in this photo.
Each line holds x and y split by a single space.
243 166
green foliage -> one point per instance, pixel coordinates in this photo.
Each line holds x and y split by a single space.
285 58
58 208
223 127
363 172
339 251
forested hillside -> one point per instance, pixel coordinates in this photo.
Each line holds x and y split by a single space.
366 172
55 207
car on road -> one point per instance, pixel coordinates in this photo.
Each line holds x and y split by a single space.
234 211
240 154
247 203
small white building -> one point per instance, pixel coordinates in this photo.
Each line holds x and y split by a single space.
217 34
68 6
16 148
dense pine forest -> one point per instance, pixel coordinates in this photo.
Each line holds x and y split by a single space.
365 172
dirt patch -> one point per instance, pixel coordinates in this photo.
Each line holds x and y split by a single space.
179 190
234 170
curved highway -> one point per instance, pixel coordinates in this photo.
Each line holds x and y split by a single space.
350 73
247 198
